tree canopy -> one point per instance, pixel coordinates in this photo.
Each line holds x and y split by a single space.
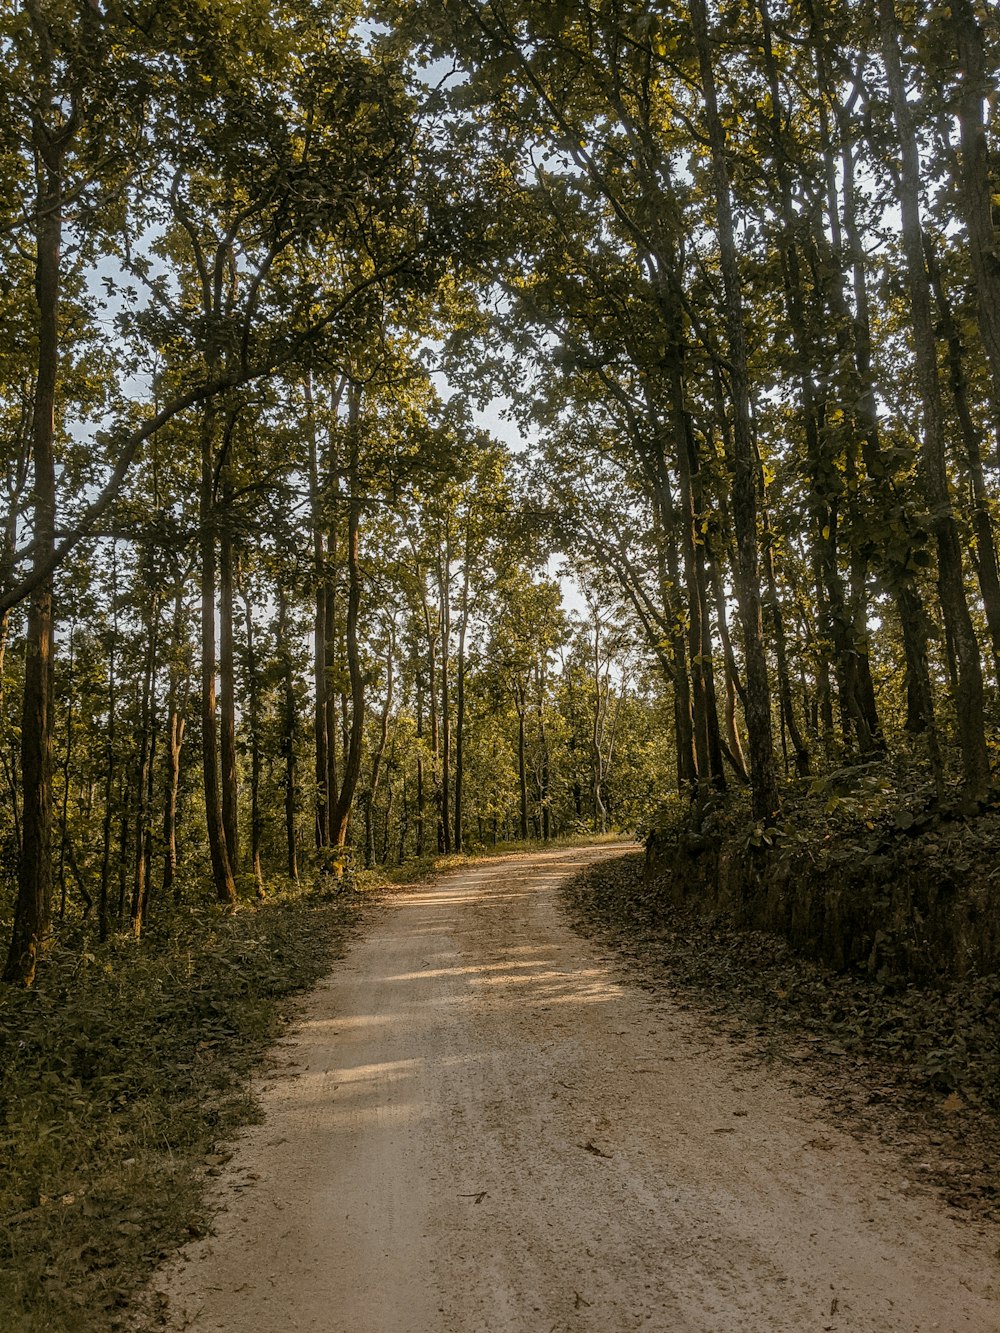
272 599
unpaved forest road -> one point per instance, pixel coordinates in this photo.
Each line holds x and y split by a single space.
484 1132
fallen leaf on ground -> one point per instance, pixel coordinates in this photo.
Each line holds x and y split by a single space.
591 1147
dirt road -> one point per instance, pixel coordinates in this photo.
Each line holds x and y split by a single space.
481 1130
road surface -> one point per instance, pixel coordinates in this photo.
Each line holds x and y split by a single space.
478 1127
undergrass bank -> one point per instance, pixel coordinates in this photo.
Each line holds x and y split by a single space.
867 868
121 1073
918 1066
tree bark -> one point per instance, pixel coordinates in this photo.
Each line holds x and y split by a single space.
33 908
460 700
139 908
934 475
985 561
289 729
229 780
379 755
321 683
444 585
253 720
222 874
522 771
977 187
764 786
176 724
352 767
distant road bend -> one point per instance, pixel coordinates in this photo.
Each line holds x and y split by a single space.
481 1130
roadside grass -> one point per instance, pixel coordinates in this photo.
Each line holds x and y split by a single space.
121 1074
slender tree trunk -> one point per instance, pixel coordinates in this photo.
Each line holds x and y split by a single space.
66 778
126 792
909 603
934 475
734 686
986 565
744 496
144 771
379 755
460 700
33 908
103 903
222 874
686 459
544 760
227 688
421 795
175 727
253 718
321 684
977 179
822 464
352 767
432 707
289 731
335 711
444 583
522 771
597 717
668 571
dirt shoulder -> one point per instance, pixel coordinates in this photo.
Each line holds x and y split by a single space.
481 1128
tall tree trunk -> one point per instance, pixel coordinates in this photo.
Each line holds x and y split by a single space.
66 777
763 776
144 771
819 454
522 769
978 183
460 698
227 686
352 767
33 908
289 730
222 874
421 795
126 792
432 707
253 718
734 688
668 572
934 475
898 572
379 755
103 902
175 727
799 747
598 712
987 568
544 757
321 683
444 584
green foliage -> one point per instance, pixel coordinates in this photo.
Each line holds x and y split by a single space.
118 1073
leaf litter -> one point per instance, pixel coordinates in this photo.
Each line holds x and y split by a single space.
916 1067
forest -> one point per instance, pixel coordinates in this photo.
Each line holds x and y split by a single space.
275 598
432 428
